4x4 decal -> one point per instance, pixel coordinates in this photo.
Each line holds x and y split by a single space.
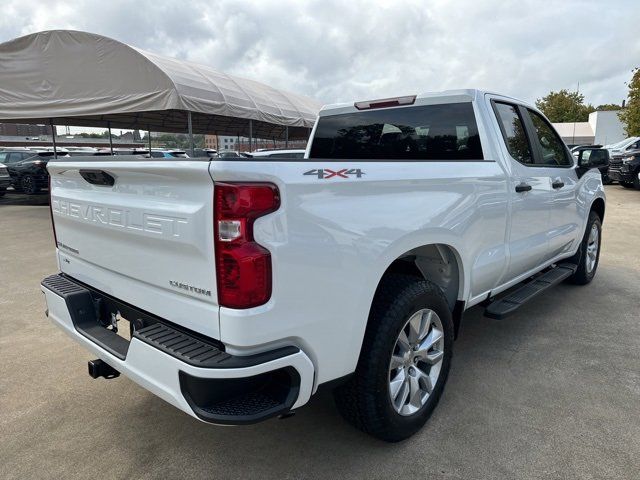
325 173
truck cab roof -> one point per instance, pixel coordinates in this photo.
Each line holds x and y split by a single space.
425 98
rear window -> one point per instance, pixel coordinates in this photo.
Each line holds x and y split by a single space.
429 132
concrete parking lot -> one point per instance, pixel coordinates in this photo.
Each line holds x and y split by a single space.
552 392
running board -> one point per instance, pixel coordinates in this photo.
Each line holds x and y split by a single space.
505 306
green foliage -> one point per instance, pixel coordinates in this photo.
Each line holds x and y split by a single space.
104 134
178 141
630 116
564 106
608 106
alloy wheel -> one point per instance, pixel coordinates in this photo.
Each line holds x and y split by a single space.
416 362
593 244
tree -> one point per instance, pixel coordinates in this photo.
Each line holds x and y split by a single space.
630 116
608 106
564 106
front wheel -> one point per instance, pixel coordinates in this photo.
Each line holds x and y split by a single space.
404 361
626 184
588 254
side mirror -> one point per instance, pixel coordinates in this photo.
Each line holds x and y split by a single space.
593 158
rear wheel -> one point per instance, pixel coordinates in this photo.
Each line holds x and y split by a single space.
404 361
29 185
588 254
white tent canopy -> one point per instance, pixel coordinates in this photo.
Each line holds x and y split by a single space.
78 78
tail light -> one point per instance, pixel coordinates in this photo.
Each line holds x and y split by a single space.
386 103
243 267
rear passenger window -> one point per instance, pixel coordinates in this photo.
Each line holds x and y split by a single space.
429 132
514 133
554 153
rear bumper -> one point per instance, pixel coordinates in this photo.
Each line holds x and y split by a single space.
190 372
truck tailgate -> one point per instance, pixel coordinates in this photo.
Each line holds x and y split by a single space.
146 239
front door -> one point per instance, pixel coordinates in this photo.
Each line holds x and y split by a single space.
530 193
565 221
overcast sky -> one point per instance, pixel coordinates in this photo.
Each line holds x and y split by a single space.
357 49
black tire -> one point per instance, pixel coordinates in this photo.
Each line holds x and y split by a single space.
636 182
583 275
2 192
606 180
626 184
29 185
364 400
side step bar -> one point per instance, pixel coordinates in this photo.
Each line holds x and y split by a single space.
505 306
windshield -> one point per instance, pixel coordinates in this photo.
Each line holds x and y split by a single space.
623 143
429 132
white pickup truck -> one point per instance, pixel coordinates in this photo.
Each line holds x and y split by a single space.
233 289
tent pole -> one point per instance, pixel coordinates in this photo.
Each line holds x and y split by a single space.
190 131
250 135
149 135
110 139
286 136
53 138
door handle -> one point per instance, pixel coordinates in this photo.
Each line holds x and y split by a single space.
523 187
558 184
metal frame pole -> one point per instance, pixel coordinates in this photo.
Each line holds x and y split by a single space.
250 135
149 135
286 136
190 132
110 139
53 138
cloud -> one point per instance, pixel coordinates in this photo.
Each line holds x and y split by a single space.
342 51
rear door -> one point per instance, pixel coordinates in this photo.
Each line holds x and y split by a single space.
140 230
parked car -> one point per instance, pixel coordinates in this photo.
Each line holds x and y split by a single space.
205 152
625 169
82 151
277 153
29 174
130 151
350 269
230 154
5 179
169 154
625 146
9 156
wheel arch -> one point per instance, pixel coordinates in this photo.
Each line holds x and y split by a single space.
440 263
598 206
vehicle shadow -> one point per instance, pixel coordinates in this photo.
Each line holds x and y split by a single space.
11 197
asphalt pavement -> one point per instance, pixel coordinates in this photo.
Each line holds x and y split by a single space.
551 392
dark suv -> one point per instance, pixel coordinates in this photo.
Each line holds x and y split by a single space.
625 169
28 169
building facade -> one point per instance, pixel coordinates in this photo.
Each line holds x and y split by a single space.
603 128
23 130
